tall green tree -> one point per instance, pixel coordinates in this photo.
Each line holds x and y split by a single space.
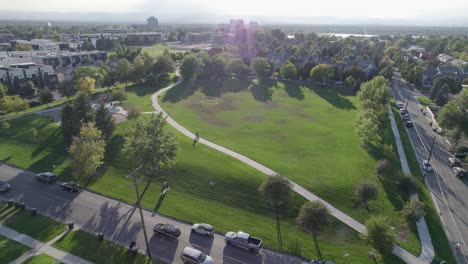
323 73
238 67
123 70
261 67
217 65
314 217
67 89
288 70
379 235
87 151
191 66
138 68
304 70
387 72
442 96
45 96
277 189
374 92
355 71
70 124
2 91
104 121
149 144
163 64
13 103
98 74
83 108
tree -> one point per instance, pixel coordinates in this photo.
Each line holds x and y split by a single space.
261 67
304 70
87 151
30 88
323 73
374 92
277 189
86 85
355 71
367 128
414 210
453 116
442 96
314 217
288 70
104 121
351 82
238 67
164 64
366 191
98 74
83 108
218 65
2 91
23 47
149 144
45 96
138 68
379 235
70 124
191 66
123 70
439 82
13 103
387 72
67 89
124 52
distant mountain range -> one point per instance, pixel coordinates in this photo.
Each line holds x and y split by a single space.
209 18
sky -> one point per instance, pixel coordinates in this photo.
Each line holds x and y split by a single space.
410 10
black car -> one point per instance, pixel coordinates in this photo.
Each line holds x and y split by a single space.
460 155
4 186
71 186
409 123
167 230
47 177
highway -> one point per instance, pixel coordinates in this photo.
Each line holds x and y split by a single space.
121 224
449 193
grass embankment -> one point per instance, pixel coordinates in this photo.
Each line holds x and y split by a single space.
206 186
439 239
40 259
86 246
11 250
305 133
36 226
155 50
425 101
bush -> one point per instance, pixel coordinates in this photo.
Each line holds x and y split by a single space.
406 183
414 209
133 111
366 191
382 166
119 95
379 235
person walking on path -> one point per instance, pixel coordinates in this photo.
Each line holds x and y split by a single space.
197 137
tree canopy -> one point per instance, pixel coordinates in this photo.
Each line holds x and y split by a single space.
277 189
261 67
288 70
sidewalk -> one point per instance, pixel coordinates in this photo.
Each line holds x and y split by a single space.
426 255
39 247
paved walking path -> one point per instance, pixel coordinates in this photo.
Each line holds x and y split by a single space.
39 247
427 251
397 250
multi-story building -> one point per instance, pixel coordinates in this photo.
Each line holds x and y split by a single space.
70 59
15 76
151 23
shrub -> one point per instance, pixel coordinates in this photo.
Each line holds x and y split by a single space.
414 209
366 191
119 95
406 183
133 111
379 235
382 166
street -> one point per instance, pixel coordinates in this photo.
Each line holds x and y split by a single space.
449 192
120 222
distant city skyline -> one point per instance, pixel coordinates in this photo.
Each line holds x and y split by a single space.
417 12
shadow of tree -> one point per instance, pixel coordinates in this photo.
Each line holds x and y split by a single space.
181 91
261 92
294 91
335 96
49 141
5 160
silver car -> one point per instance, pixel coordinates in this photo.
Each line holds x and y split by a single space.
4 186
193 256
426 166
203 229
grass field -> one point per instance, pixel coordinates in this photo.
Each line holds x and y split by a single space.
85 245
423 100
39 227
40 259
439 239
10 250
155 50
304 133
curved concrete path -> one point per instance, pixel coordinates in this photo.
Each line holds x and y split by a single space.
349 221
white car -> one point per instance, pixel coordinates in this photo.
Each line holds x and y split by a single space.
426 166
400 105
193 256
203 229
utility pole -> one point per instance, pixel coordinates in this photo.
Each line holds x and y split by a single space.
138 204
407 101
432 147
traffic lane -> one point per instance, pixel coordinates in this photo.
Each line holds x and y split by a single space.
121 222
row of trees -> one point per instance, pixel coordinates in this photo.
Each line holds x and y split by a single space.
453 117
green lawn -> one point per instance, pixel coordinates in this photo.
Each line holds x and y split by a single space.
439 239
425 101
86 246
140 94
40 259
39 227
155 50
307 134
10 250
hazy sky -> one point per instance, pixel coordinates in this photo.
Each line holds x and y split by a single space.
346 9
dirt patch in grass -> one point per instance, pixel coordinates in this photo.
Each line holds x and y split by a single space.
254 119
271 105
227 104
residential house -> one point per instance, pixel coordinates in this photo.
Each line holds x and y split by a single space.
15 76
428 76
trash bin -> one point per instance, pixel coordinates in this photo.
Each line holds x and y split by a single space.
134 251
10 203
22 206
33 211
100 236
70 225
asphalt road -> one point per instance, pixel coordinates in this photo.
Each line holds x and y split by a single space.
449 192
121 222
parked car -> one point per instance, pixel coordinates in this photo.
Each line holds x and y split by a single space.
453 162
406 117
243 240
167 230
400 105
46 177
409 123
459 172
203 229
4 186
71 186
426 166
192 256
460 155
403 111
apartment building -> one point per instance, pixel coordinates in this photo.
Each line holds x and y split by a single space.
15 76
